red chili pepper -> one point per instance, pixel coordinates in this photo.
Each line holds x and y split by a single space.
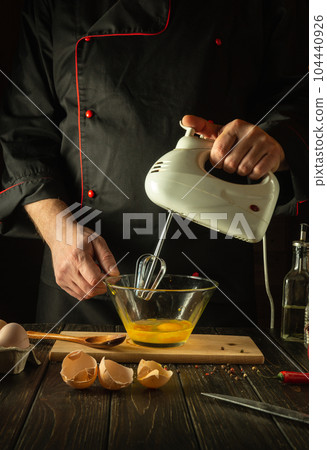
293 377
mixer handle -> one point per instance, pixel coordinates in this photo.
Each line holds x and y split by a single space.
189 130
266 178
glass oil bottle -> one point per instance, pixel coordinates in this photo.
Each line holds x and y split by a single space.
296 290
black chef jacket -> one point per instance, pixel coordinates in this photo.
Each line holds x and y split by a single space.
108 82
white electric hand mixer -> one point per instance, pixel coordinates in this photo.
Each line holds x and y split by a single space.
179 183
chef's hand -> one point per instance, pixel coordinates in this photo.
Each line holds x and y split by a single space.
240 147
73 256
74 264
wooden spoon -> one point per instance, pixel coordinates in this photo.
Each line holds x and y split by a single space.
103 342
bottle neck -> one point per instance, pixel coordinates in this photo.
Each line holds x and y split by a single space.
300 259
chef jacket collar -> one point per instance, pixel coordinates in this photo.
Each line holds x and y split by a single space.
131 16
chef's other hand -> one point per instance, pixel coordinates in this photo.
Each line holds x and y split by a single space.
74 264
240 147
74 257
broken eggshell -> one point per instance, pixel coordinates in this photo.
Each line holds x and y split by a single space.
114 376
152 375
79 370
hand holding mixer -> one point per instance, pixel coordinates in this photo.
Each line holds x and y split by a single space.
179 183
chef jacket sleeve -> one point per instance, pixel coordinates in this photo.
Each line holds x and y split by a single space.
283 95
30 142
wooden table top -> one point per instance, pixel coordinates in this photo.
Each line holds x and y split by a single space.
39 411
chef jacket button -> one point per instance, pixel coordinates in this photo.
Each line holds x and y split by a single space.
218 41
91 193
89 114
87 39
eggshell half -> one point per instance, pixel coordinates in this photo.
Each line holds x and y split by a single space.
79 370
114 376
152 375
13 335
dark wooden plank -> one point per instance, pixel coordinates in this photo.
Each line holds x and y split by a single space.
275 392
136 417
144 418
277 359
64 418
295 350
285 395
152 418
221 425
271 390
17 392
157 418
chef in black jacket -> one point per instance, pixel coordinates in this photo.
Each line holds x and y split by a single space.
100 89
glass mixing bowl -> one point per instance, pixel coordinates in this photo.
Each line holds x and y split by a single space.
167 319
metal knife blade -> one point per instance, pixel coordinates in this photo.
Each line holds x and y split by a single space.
263 407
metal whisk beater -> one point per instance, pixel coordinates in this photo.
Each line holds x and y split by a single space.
146 266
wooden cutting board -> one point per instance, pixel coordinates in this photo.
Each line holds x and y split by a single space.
200 348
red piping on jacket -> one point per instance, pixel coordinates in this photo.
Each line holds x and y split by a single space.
22 182
77 85
10 187
297 206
